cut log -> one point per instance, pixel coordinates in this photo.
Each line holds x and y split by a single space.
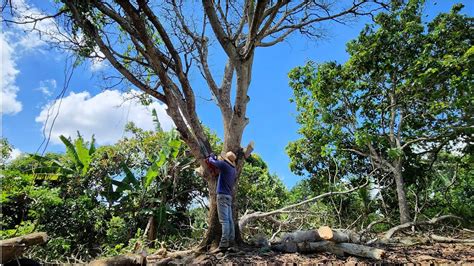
321 246
127 259
338 235
362 251
302 236
443 239
14 247
339 249
325 232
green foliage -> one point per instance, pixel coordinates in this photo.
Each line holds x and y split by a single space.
449 191
5 151
404 94
258 189
117 231
96 201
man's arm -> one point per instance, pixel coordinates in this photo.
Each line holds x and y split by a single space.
217 163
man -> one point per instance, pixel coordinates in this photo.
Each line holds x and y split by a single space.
225 186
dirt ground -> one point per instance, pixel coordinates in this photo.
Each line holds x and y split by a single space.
420 254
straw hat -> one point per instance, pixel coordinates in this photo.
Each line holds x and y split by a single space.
230 158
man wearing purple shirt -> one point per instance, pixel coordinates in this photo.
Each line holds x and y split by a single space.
225 186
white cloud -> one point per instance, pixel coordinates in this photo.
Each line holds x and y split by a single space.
15 153
36 35
98 63
8 73
46 86
103 115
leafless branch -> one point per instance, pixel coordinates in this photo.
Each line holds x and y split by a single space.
244 220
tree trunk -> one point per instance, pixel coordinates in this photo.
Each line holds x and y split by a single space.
151 229
214 230
234 125
402 199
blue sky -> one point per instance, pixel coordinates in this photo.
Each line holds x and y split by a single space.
33 76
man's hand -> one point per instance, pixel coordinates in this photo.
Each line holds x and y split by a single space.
212 155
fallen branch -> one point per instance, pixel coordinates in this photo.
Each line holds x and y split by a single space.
369 227
395 229
362 251
443 239
247 218
468 230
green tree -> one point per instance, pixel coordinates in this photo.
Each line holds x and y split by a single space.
148 180
156 45
404 94
5 151
258 189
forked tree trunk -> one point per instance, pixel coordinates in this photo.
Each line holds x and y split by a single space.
234 124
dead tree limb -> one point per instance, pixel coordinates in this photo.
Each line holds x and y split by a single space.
443 239
247 218
369 227
395 229
362 251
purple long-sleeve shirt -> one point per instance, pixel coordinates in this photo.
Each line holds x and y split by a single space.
225 183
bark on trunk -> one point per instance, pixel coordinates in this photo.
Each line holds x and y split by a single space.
213 235
151 229
402 199
214 231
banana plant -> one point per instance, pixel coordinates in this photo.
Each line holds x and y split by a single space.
151 191
79 153
52 169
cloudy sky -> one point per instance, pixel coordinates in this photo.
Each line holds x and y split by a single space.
33 76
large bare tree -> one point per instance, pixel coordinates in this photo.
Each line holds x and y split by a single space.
155 45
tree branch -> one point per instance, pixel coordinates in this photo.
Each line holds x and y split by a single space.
244 220
395 229
92 31
223 39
